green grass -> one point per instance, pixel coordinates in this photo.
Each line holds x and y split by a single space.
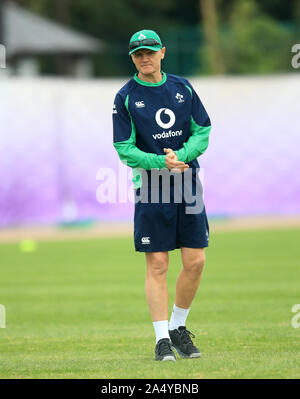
78 310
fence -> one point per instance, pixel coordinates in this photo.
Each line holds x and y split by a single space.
55 135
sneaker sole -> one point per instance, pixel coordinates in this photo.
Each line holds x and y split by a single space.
167 358
191 356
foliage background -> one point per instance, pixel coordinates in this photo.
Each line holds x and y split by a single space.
253 36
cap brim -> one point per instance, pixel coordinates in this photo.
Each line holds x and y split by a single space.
153 48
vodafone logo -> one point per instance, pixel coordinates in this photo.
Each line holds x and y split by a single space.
167 112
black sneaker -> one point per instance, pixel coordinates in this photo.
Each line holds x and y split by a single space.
181 341
163 350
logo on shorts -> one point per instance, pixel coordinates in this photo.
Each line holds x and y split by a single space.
115 109
145 240
170 114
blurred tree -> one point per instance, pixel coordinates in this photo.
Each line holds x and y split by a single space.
249 41
211 50
115 23
296 14
278 9
1 22
42 7
62 13
255 43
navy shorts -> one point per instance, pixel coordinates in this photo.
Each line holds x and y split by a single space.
165 226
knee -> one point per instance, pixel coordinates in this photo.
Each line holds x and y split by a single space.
195 265
157 266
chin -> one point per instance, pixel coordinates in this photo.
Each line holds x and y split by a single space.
147 71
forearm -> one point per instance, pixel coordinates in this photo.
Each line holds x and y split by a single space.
196 144
135 158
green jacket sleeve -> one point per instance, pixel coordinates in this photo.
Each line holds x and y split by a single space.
125 140
196 144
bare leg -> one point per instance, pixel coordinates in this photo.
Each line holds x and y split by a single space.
157 294
189 278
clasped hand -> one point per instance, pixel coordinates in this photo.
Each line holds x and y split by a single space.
172 162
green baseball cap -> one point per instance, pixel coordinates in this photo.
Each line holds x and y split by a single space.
144 39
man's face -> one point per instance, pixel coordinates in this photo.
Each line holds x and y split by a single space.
148 61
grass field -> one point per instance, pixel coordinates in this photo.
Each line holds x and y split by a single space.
77 309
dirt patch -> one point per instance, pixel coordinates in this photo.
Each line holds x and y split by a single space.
50 233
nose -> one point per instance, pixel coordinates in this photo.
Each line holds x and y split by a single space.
144 57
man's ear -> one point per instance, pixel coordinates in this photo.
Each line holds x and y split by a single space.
163 52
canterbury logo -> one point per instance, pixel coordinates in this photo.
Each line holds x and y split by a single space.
140 104
145 240
167 112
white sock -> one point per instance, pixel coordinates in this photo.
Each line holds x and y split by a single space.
178 317
161 329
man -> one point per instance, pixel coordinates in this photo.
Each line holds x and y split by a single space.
160 124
